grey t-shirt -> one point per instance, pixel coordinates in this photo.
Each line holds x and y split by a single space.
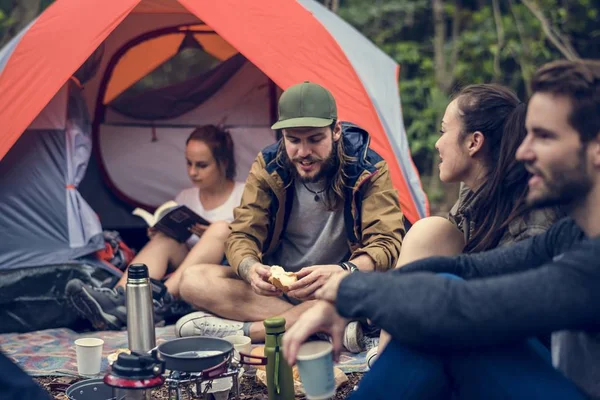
313 235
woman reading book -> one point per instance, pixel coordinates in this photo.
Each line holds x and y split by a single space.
213 196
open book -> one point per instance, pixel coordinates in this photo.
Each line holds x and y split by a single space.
172 219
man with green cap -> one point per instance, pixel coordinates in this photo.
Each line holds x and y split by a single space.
317 202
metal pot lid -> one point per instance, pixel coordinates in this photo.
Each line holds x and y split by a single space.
90 389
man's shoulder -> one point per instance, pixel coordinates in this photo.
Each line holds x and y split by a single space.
269 153
563 235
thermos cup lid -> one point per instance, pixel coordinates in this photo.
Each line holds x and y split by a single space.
137 271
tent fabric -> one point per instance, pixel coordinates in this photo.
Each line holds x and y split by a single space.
84 226
157 149
384 97
141 60
40 64
43 218
286 40
304 50
175 100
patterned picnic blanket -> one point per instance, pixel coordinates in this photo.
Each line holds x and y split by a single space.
52 351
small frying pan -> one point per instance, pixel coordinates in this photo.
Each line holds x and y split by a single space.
194 354
208 355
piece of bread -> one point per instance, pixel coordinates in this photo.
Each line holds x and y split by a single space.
282 279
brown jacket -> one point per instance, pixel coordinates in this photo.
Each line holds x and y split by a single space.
373 220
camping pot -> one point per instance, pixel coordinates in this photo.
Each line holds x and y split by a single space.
133 376
89 389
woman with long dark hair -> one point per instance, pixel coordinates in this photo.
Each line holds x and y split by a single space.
481 130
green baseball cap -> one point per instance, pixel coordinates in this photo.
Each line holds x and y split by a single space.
306 105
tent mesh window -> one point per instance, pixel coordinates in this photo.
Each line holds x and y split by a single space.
178 85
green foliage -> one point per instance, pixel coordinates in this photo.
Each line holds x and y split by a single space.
404 29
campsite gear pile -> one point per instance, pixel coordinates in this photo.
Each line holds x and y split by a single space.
140 309
115 251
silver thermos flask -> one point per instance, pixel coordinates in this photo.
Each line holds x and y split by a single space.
140 309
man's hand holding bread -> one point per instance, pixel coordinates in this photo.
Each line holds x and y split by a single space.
311 279
275 280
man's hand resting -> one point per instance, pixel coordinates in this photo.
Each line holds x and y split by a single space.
329 291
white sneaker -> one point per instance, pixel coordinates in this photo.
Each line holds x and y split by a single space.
201 323
371 357
354 337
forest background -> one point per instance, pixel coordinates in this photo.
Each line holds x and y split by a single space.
441 46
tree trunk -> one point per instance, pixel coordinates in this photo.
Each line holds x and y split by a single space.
561 42
333 5
444 79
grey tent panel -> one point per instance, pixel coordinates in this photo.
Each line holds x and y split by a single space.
43 219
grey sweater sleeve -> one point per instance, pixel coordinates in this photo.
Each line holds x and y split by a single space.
535 295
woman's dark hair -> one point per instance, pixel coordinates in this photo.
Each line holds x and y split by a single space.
220 143
499 115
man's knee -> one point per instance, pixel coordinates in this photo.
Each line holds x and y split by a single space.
199 282
194 280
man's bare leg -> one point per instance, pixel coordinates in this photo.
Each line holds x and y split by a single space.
428 237
157 254
219 290
210 249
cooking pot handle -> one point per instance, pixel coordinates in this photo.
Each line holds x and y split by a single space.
216 371
261 360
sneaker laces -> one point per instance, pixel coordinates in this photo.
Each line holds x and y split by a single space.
217 327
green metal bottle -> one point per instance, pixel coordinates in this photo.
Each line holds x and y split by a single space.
280 381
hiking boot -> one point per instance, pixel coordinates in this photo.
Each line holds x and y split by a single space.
169 309
103 307
354 337
201 323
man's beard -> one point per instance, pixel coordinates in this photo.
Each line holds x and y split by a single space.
327 171
568 188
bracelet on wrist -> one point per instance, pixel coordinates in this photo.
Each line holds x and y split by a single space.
349 266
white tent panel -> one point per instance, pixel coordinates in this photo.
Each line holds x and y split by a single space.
152 172
242 101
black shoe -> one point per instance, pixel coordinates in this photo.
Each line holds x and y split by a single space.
104 308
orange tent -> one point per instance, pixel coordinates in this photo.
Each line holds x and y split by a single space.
283 41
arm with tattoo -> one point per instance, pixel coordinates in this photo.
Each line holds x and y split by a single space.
244 267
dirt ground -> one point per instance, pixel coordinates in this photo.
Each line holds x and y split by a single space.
249 388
